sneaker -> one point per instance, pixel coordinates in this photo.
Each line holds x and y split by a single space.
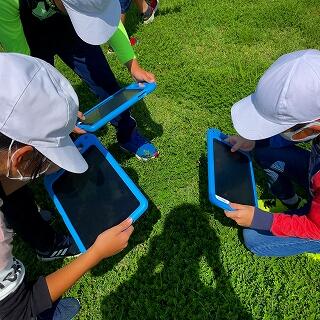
64 247
148 16
142 148
62 309
11 278
275 205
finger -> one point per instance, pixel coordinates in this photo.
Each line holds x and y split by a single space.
237 206
128 231
78 130
124 225
81 116
151 77
236 147
230 214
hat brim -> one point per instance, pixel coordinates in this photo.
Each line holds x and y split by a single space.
66 156
251 125
96 29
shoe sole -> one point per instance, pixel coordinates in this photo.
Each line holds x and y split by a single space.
153 13
139 158
56 258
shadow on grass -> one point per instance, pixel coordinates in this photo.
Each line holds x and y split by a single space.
181 277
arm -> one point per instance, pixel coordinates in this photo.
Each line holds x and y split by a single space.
107 244
283 224
12 37
121 45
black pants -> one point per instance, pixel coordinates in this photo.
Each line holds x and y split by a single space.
21 215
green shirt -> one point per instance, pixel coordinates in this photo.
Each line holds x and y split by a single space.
12 37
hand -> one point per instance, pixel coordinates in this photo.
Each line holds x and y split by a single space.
112 241
76 129
238 142
138 74
242 215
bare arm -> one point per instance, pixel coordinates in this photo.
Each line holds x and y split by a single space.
107 244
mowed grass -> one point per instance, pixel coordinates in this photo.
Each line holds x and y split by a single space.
185 259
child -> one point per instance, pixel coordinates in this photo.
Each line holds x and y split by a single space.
286 103
38 112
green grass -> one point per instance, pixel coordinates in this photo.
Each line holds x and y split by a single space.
186 260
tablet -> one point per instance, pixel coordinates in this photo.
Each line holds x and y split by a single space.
97 199
111 107
230 174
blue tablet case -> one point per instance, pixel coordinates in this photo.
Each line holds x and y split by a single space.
85 142
212 135
143 90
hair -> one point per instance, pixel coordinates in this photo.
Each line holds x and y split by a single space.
37 160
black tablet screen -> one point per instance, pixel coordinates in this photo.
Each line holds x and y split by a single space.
95 200
117 100
232 175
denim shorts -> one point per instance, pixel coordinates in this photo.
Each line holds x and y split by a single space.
125 5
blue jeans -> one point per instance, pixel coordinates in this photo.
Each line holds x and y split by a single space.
283 166
56 35
264 243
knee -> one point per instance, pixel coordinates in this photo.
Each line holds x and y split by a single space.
254 241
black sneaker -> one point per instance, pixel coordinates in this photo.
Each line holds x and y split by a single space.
11 278
64 247
148 16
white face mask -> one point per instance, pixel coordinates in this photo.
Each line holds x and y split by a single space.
20 177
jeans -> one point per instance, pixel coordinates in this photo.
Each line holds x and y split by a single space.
56 36
283 166
264 243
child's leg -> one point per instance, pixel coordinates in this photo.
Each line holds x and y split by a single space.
282 167
264 243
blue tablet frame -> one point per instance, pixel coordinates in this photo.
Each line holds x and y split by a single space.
85 141
145 87
215 134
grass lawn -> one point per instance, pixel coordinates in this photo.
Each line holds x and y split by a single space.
186 260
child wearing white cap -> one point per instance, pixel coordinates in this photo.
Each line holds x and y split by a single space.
74 30
286 103
38 112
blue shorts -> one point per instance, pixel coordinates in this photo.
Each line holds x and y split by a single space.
125 5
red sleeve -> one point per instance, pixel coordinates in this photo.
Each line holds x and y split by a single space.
307 226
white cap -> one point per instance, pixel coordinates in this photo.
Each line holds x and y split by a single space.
94 21
39 108
287 94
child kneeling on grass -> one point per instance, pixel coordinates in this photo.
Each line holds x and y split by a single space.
286 103
38 112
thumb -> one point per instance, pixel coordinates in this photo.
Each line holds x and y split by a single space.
236 206
124 225
236 146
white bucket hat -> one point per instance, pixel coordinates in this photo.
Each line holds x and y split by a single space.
287 94
39 108
94 21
